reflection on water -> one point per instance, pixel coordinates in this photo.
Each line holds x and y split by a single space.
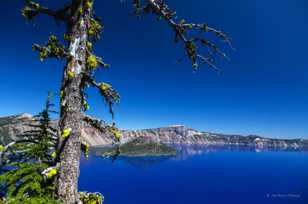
184 152
200 175
144 162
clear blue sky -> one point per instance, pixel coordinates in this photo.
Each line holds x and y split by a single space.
263 89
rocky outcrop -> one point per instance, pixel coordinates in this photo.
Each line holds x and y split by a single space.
12 126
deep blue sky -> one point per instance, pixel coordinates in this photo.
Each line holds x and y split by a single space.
263 89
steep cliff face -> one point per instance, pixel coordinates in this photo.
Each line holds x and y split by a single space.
168 135
12 126
95 137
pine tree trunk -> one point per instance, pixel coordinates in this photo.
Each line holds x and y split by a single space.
71 110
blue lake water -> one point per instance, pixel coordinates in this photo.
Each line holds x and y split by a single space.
200 175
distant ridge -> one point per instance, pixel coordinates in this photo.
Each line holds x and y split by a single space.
12 126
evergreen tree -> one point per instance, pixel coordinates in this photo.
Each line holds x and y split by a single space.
83 28
28 163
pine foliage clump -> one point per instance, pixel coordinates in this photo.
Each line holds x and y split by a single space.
27 164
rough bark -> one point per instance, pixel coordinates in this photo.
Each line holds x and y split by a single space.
71 109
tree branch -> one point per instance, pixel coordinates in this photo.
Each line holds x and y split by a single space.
96 123
33 9
6 148
190 34
110 95
52 49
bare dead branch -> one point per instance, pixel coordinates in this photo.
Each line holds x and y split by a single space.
186 33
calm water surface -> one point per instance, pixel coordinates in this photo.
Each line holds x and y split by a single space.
200 175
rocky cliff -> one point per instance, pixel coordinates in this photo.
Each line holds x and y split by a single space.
184 135
12 126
